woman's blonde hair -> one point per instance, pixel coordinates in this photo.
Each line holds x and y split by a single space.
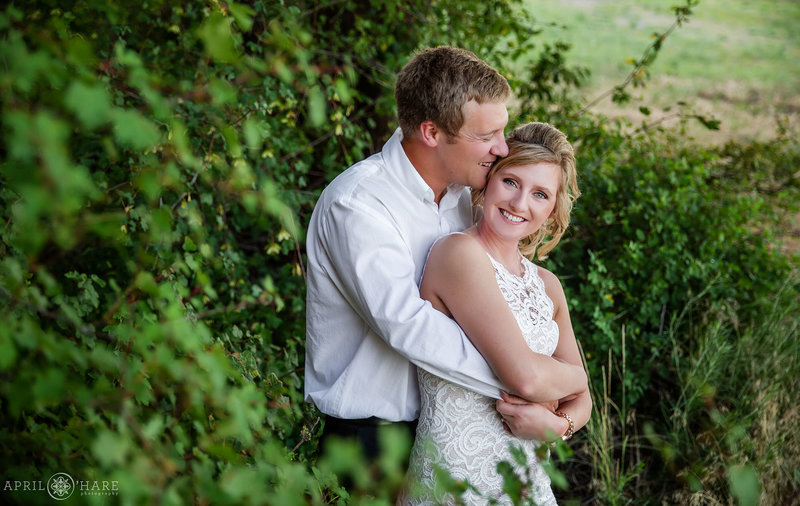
541 143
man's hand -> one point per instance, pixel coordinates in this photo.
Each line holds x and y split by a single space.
528 420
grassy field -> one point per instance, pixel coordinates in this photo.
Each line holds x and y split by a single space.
738 60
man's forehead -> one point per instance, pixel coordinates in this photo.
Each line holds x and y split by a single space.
484 118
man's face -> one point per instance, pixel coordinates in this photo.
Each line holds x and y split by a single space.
469 155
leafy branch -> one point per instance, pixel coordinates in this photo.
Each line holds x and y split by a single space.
638 74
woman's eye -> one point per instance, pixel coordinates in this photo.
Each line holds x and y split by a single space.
510 182
540 195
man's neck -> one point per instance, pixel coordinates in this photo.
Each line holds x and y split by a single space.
423 161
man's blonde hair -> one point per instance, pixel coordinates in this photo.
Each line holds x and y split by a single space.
541 143
436 83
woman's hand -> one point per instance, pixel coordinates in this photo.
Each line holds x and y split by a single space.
513 399
529 420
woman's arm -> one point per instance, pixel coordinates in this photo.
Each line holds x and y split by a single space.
459 280
528 420
579 406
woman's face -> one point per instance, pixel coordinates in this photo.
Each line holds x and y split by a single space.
519 199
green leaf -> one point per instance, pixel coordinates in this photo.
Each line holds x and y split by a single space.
255 131
512 485
80 52
188 244
49 387
154 428
134 130
243 14
744 484
709 123
221 91
110 448
218 39
316 106
8 352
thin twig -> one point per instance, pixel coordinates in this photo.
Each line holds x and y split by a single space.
117 186
299 258
305 434
658 121
324 137
227 309
58 318
643 61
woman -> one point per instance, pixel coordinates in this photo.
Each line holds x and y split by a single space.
515 313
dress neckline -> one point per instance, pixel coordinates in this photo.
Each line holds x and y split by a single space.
521 263
498 262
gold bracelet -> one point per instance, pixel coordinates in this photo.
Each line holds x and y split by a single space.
570 429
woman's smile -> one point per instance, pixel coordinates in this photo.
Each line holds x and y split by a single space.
511 217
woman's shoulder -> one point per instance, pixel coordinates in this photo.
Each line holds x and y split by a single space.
458 255
552 284
457 266
459 245
546 275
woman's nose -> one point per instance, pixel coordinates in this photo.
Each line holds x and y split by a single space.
517 201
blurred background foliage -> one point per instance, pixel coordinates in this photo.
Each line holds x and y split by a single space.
160 161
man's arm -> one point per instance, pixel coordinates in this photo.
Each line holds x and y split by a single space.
374 269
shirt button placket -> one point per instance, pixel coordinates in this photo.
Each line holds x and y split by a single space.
444 225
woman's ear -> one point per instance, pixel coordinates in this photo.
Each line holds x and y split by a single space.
430 133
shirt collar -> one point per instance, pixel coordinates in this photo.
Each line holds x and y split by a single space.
402 168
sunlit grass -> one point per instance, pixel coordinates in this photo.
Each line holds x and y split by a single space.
736 60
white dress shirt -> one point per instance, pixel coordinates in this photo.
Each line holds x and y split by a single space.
366 325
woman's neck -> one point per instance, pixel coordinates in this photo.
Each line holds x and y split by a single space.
501 249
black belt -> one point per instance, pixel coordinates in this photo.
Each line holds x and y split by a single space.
372 421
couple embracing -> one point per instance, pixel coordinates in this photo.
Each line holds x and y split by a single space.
423 308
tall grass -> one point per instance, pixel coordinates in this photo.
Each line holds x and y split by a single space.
613 451
727 433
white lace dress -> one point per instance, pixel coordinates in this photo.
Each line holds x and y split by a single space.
462 432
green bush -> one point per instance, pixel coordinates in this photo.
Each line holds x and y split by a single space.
655 227
149 254
159 163
684 298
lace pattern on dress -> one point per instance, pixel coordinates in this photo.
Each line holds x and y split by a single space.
460 430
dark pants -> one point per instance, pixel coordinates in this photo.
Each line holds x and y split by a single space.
363 430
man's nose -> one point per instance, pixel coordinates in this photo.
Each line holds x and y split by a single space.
500 148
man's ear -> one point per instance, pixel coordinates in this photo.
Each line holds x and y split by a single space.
430 133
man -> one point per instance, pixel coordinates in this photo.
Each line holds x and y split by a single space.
368 239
